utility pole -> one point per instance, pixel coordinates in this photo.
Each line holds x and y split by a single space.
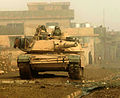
105 45
50 1
103 17
104 33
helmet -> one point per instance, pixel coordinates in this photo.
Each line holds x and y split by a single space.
56 27
39 26
43 27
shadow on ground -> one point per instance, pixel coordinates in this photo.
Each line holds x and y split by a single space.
15 75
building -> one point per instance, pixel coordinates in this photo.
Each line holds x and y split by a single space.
107 46
25 22
80 25
86 38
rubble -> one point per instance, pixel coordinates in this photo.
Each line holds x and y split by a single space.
7 82
1 72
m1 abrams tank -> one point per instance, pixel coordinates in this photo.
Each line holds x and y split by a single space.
49 55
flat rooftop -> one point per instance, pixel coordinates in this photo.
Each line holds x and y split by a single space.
47 3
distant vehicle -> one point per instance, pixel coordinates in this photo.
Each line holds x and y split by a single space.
49 55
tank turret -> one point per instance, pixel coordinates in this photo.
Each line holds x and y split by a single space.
45 45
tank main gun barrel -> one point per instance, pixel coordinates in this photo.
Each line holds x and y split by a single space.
62 45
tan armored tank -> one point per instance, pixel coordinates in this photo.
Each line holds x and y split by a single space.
49 55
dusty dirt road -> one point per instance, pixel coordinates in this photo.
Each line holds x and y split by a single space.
45 86
58 85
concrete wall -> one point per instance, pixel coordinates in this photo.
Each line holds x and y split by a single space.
31 25
5 22
48 6
87 50
11 27
79 31
4 42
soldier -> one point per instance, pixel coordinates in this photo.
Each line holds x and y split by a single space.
37 30
57 31
41 33
43 28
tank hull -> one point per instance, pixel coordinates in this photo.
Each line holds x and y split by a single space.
50 55
30 64
49 62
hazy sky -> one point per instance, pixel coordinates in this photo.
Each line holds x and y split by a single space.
85 10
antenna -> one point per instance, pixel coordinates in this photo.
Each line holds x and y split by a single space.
103 17
50 1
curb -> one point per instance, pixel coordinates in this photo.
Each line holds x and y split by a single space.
74 94
17 81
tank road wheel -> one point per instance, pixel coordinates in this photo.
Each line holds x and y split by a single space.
75 71
71 71
25 71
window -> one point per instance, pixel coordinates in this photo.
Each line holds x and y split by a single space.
40 8
64 7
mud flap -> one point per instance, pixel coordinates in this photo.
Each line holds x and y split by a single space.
75 69
24 67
